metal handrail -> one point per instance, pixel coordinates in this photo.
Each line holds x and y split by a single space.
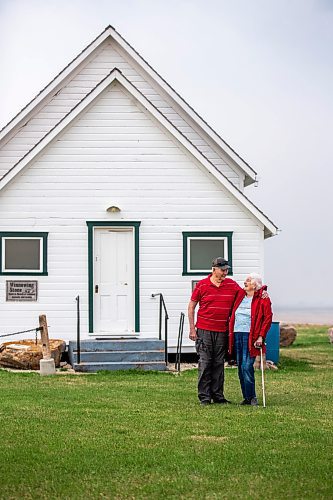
166 317
180 340
78 341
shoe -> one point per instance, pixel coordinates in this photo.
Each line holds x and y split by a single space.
245 402
204 403
254 402
222 401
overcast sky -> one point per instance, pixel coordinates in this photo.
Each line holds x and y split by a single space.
260 72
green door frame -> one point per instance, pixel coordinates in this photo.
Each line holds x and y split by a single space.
107 224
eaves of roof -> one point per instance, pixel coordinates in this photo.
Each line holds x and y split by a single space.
115 74
250 174
49 87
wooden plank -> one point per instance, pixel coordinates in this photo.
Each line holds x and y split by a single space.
45 337
116 143
9 161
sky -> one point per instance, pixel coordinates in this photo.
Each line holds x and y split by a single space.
260 72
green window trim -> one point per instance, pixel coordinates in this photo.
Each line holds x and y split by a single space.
91 226
24 234
205 234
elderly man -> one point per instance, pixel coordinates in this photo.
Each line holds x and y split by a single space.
215 295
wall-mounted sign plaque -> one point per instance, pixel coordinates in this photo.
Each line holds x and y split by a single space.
21 291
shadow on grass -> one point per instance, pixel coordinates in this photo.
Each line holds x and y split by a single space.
292 364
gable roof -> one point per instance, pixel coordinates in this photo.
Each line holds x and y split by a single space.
220 144
115 75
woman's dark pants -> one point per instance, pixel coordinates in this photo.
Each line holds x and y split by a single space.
245 365
212 349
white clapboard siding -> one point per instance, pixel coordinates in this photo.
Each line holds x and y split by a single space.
108 56
168 192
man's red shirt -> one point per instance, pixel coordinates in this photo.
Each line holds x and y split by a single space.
215 303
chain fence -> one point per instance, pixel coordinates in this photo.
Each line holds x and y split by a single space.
36 330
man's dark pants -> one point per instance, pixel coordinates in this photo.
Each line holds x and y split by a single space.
212 349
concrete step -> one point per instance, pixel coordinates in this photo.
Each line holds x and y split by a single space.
95 367
117 356
117 345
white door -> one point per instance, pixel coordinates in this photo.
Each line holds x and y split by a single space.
113 281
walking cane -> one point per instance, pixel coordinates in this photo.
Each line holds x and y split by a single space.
262 378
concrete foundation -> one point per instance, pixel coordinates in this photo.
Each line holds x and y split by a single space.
47 367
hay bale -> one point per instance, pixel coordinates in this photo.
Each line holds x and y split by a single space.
26 354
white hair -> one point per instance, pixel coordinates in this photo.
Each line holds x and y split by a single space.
256 279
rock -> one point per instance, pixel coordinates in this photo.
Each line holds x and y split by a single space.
26 354
66 366
330 334
288 334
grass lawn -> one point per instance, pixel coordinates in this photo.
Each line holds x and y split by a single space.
143 435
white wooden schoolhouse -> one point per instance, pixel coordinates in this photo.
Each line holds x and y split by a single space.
113 189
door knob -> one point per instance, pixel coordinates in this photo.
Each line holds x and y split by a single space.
96 288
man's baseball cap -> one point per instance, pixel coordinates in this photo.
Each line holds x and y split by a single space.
220 262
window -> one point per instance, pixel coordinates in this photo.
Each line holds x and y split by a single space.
23 253
200 248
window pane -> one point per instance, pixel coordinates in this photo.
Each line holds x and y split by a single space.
202 252
22 254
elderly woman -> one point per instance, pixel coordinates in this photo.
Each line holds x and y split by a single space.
250 321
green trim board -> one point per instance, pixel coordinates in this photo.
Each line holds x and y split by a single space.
91 226
25 234
205 234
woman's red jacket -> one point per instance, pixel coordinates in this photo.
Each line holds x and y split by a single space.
261 319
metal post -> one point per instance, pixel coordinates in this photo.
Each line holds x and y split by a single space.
166 317
179 341
166 338
182 317
177 363
78 346
160 319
